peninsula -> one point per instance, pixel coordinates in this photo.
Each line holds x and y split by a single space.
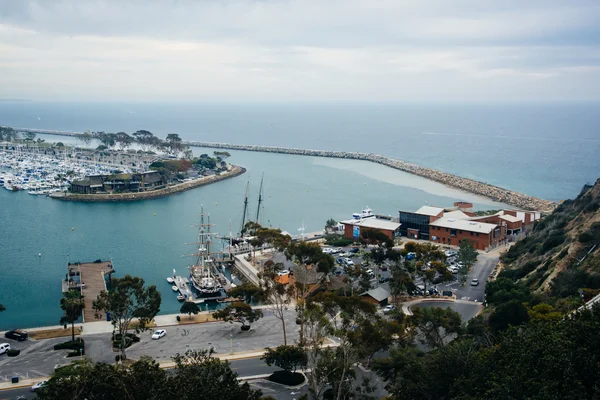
493 192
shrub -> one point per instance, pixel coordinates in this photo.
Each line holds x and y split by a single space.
335 240
76 345
287 378
13 352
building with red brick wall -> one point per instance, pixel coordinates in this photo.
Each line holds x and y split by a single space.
352 227
450 231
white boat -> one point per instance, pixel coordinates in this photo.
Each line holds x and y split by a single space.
170 280
366 213
180 297
175 288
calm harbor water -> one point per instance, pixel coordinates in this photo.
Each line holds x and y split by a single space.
552 159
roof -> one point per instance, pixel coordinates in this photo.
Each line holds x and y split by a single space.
378 294
456 215
431 211
465 225
374 223
510 218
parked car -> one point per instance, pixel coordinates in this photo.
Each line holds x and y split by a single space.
453 269
16 334
384 279
411 256
348 261
158 334
474 282
384 267
4 347
450 253
38 385
337 250
389 308
339 260
283 272
354 250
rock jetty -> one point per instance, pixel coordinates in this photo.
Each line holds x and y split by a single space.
495 193
516 199
151 194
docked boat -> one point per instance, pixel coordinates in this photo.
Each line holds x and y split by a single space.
175 288
366 213
180 297
170 280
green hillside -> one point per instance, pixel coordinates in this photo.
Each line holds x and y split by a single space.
561 257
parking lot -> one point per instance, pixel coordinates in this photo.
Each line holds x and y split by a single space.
37 358
223 337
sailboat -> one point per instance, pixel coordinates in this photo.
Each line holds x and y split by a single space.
242 237
205 277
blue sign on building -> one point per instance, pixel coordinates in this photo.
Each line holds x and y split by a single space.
356 231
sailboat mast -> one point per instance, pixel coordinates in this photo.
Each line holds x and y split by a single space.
245 209
259 197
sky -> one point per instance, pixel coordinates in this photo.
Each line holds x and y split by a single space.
304 50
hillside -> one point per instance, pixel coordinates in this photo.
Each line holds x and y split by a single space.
562 254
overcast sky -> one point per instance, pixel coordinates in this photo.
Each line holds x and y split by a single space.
428 50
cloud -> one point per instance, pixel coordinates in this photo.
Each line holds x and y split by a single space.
306 50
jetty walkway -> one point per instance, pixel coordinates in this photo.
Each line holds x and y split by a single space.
92 275
493 192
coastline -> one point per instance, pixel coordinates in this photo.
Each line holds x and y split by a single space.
496 193
152 194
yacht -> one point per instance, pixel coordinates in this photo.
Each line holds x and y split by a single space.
366 213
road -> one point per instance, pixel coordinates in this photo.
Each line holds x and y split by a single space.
481 270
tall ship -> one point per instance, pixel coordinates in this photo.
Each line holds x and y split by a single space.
206 277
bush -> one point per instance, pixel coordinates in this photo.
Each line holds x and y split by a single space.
287 378
335 240
76 353
13 353
76 345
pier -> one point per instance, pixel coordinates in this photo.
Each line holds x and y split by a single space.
493 192
89 278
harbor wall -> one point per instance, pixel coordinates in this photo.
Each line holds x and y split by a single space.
181 187
516 199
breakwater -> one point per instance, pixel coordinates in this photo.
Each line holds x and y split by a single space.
151 194
493 192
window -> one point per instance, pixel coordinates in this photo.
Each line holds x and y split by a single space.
477 234
471 233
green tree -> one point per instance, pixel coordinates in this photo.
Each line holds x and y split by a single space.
503 290
364 282
123 139
174 143
468 256
278 295
2 308
30 136
239 312
435 325
189 308
330 225
512 313
288 358
199 375
127 299
144 138
72 303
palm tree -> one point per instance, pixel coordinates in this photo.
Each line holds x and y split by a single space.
72 304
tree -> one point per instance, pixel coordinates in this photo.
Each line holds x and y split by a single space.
2 308
276 293
72 304
512 313
174 142
467 255
189 308
127 299
145 138
123 139
239 312
30 136
199 375
436 324
365 282
330 225
86 137
288 358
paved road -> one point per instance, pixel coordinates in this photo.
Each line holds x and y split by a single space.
14 394
481 270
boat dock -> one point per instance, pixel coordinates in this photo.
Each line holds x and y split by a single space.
89 278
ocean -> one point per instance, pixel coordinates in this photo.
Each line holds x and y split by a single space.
546 150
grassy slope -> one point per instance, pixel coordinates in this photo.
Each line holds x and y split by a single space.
554 259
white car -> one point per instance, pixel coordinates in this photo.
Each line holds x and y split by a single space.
283 272
475 282
389 308
158 334
348 262
4 347
38 385
453 269
327 250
